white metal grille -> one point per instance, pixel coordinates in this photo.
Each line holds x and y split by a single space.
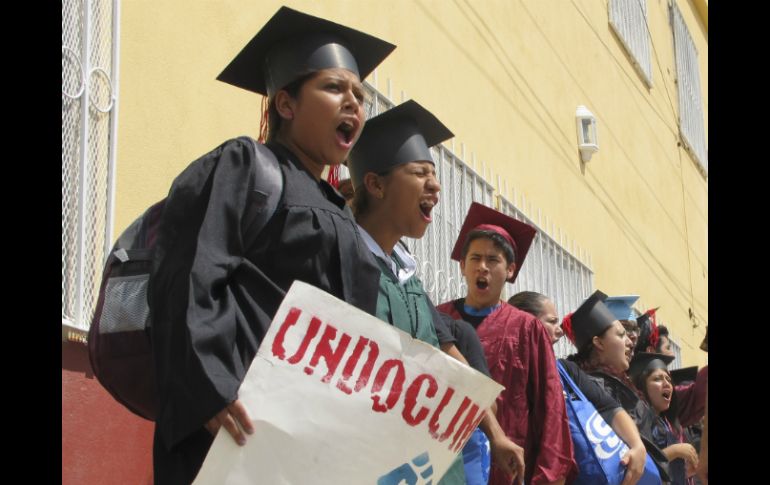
677 363
549 268
88 106
552 270
691 113
629 20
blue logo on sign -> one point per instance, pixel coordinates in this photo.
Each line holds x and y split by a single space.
418 471
606 442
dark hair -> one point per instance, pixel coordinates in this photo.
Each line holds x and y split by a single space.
583 355
273 118
528 301
672 412
662 332
498 240
360 204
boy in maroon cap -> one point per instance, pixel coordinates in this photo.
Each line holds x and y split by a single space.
491 248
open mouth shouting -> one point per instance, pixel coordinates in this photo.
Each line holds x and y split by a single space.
346 132
426 207
482 283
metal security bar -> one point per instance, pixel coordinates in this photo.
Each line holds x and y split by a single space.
89 69
677 363
553 270
691 124
628 19
550 268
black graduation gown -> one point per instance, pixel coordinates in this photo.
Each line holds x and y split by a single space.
641 413
212 299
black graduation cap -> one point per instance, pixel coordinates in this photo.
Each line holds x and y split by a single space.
591 319
643 361
292 44
400 135
685 374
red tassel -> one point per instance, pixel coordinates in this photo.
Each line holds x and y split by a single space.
263 121
566 325
334 176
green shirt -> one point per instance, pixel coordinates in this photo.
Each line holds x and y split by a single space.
405 306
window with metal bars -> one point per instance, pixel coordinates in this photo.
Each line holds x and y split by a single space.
88 141
691 115
550 268
628 19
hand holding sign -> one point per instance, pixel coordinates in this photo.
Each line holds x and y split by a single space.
335 393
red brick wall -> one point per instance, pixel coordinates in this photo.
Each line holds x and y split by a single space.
102 442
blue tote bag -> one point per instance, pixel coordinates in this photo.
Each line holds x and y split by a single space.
598 449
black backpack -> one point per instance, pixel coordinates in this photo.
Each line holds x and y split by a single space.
119 337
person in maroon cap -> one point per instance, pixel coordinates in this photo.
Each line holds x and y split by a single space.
491 248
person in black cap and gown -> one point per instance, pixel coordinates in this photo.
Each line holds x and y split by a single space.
650 375
212 299
603 350
691 396
396 190
608 408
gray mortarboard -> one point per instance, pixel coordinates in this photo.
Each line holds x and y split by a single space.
620 306
685 374
643 361
292 44
400 135
591 319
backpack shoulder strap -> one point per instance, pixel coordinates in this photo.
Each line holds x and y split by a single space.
268 188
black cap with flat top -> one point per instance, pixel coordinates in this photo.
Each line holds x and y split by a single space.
400 135
644 361
591 318
292 44
683 375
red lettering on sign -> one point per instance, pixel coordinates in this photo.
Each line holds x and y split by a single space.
312 331
433 425
350 365
290 320
463 405
395 388
410 400
331 356
366 371
466 428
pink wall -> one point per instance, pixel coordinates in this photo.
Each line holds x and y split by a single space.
102 442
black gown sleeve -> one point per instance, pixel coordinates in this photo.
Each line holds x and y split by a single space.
604 403
206 322
464 336
443 332
469 345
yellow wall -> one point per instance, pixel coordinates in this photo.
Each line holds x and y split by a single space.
506 76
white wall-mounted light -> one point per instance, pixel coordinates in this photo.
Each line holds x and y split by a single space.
588 139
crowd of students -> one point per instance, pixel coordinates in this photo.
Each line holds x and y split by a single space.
212 297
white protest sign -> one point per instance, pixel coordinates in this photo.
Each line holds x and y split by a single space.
338 396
